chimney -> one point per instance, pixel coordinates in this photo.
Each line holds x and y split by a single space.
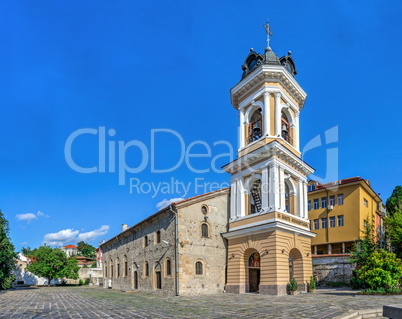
124 227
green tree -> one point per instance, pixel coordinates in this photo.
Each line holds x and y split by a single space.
363 249
382 271
393 229
26 251
86 250
7 255
52 263
394 203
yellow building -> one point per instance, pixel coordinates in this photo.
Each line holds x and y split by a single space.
337 212
269 239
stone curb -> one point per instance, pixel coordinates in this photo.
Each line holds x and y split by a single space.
361 314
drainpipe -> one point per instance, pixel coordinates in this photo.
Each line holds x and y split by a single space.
176 253
327 230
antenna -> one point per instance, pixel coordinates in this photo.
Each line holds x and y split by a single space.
267 28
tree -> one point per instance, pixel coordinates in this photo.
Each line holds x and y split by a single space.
7 255
393 229
52 263
382 271
26 251
394 203
86 250
362 250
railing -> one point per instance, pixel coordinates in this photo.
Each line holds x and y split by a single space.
287 138
255 131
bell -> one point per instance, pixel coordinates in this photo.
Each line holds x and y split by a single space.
256 128
284 128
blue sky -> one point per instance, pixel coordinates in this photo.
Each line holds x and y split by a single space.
134 66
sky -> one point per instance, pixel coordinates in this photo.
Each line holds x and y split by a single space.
103 103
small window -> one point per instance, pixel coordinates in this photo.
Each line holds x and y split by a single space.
332 200
324 223
198 268
168 267
316 224
158 236
340 220
323 202
316 204
309 205
125 269
118 269
105 271
332 221
204 209
365 202
146 241
311 188
340 199
146 269
111 271
204 230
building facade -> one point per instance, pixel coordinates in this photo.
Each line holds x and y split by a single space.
70 250
178 250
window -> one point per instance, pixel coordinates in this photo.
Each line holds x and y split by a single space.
168 267
204 230
365 202
332 221
323 223
309 205
125 268
146 241
198 268
158 236
255 197
204 209
316 224
311 188
118 268
340 199
340 220
316 204
332 200
105 271
111 270
255 126
323 202
146 269
158 280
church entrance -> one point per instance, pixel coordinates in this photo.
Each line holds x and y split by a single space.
254 272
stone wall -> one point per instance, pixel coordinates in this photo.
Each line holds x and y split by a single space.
332 269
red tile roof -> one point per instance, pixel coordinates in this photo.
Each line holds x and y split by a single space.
70 246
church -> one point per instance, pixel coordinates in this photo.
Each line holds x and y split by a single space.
252 237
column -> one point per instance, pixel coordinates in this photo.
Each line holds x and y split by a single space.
233 198
241 128
300 198
315 250
343 248
267 113
305 215
264 189
296 131
278 113
240 198
329 249
282 204
273 187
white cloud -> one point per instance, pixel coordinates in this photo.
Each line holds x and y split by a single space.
28 217
166 202
73 236
91 235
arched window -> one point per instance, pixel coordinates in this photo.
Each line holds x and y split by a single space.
198 268
105 269
158 236
118 267
111 268
146 269
255 197
285 129
255 126
125 272
168 267
289 197
204 230
146 241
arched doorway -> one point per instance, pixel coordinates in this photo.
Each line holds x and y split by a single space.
296 265
254 272
135 280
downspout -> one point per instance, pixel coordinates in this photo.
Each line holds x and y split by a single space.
327 230
176 253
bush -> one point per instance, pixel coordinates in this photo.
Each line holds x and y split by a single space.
87 281
293 285
94 264
381 272
312 284
357 283
80 282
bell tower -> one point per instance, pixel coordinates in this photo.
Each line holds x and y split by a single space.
269 238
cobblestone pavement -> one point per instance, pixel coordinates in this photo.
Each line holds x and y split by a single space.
87 302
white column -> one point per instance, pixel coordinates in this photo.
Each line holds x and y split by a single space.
296 131
300 198
241 128
282 204
278 113
267 113
264 189
273 187
240 198
305 215
233 198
